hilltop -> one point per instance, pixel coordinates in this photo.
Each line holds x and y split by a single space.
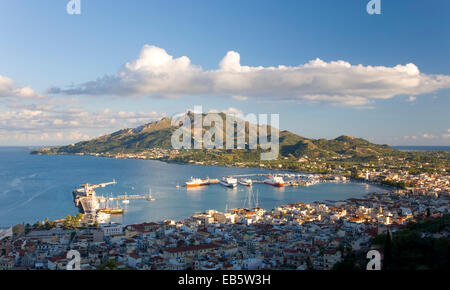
158 134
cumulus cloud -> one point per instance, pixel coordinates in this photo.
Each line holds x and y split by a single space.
428 136
73 117
46 122
156 73
229 111
8 89
240 98
411 99
446 135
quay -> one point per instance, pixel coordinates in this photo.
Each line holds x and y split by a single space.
122 197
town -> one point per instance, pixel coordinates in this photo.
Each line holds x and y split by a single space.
298 236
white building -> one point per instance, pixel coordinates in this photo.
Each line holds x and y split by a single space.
112 229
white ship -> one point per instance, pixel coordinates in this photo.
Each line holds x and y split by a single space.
229 181
246 182
274 180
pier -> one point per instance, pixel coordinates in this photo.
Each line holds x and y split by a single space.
122 197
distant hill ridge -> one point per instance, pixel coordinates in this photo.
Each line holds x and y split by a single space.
157 134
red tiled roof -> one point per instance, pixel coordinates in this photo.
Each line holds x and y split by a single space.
134 256
192 248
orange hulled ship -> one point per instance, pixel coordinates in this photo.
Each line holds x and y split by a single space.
196 182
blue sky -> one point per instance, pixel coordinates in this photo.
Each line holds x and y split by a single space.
42 47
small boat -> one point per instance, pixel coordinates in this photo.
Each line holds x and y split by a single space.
229 181
246 182
195 182
274 180
102 217
150 196
126 201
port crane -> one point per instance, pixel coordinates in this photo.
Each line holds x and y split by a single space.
94 186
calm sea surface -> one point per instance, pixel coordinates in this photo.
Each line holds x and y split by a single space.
423 148
36 186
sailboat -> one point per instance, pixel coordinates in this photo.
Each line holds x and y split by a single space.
150 197
114 210
126 200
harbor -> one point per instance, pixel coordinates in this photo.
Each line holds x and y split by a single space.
274 179
43 188
99 208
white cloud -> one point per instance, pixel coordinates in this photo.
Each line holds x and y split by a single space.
240 98
428 136
8 89
411 99
49 123
158 74
229 111
446 135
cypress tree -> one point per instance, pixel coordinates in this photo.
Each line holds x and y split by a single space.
387 251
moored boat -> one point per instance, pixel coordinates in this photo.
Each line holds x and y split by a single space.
195 182
274 180
112 210
102 217
229 181
246 182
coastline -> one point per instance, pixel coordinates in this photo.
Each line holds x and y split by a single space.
221 166
279 171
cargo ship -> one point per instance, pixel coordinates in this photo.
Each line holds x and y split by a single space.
229 181
274 180
195 182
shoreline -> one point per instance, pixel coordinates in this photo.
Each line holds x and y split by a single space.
379 185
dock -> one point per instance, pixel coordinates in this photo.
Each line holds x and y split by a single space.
122 197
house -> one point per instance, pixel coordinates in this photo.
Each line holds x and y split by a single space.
193 250
7 263
330 258
112 229
134 260
57 262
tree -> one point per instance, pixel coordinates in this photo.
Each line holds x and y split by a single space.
37 225
387 251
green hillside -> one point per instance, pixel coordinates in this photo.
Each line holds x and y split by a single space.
158 134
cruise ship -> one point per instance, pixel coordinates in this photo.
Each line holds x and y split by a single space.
229 181
246 182
195 182
274 180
